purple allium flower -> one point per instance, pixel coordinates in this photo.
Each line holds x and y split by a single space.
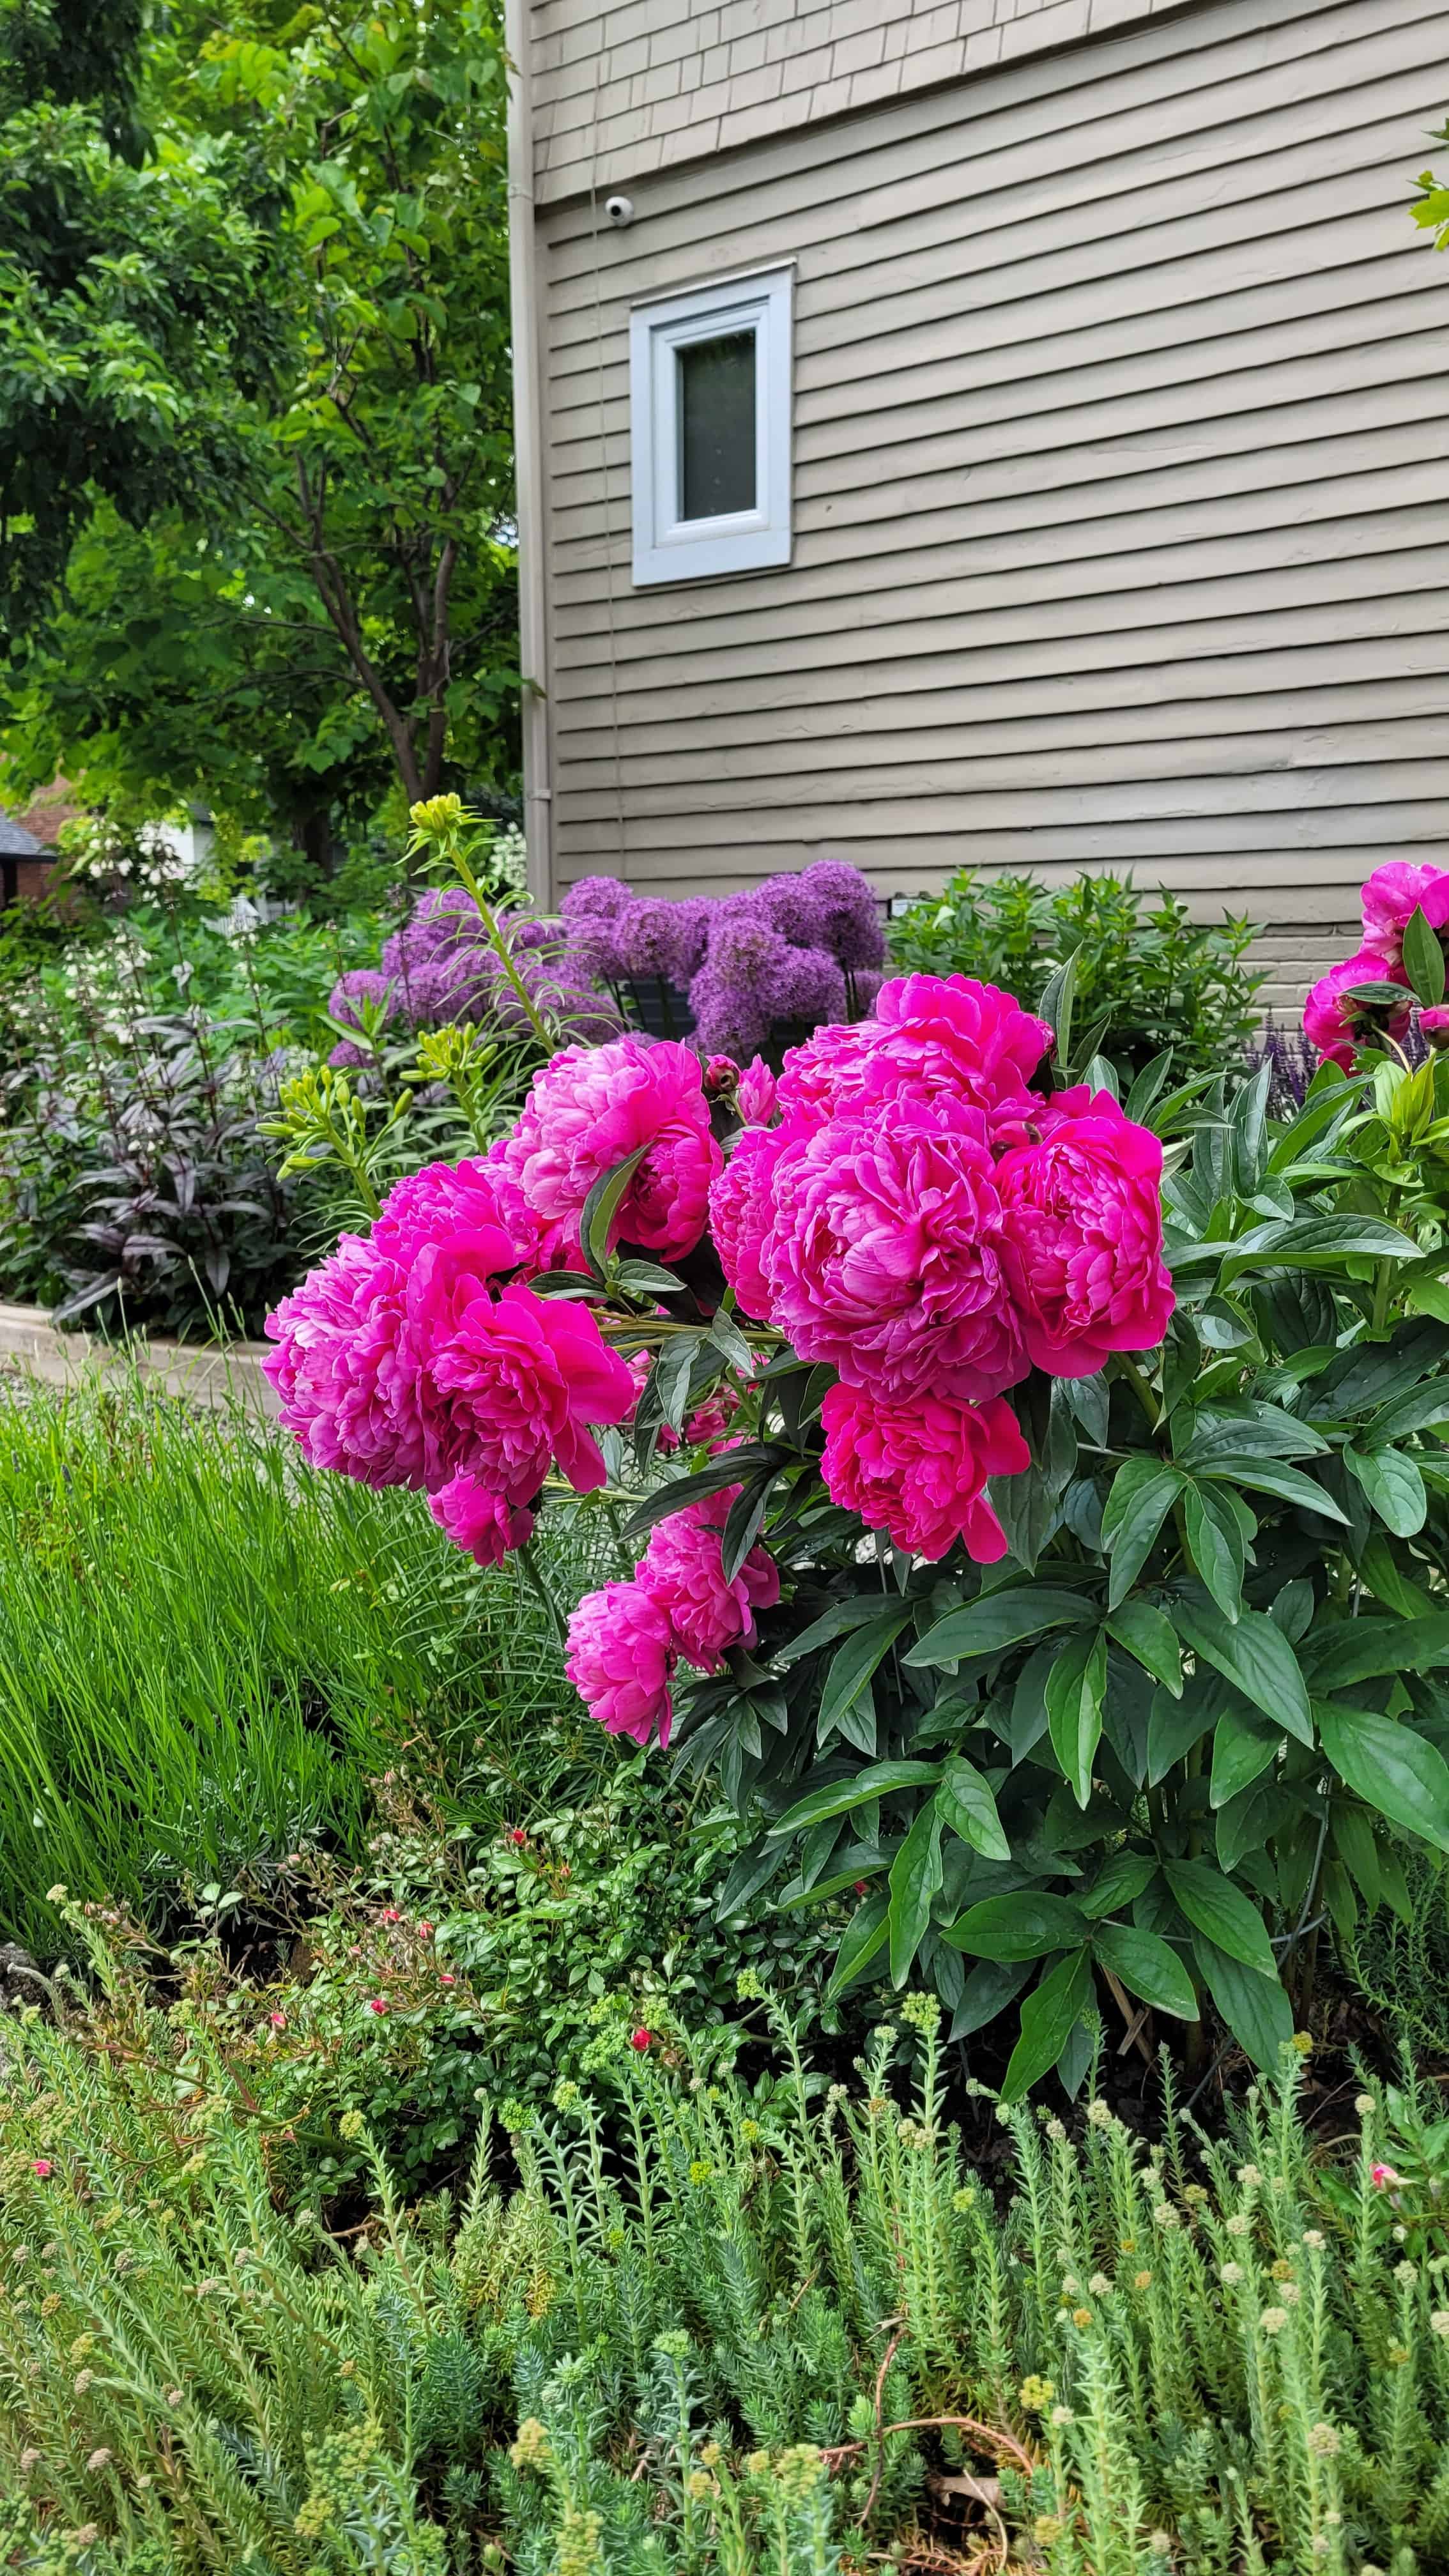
666 939
850 922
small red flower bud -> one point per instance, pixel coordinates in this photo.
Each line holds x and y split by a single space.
861 1885
425 1931
640 2039
390 1914
43 2167
378 2004
277 2020
446 1980
518 1835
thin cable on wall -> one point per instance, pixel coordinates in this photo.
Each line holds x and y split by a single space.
604 468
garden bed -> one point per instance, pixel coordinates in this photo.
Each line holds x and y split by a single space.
219 1378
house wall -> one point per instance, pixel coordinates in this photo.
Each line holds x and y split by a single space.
1119 500
638 85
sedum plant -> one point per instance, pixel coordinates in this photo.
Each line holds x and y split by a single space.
756 2324
1067 1582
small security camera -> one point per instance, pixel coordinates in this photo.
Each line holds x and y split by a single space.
620 211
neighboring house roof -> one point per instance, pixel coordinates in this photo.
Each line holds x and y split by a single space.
17 844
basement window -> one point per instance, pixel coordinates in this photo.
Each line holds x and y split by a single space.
709 383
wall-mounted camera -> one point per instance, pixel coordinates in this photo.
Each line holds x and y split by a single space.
620 211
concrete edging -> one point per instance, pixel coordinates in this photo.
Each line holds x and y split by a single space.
218 1378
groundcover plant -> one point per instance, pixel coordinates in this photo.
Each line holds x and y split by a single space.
1058 1557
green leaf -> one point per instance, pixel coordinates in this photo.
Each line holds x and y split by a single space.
1174 1726
853 1663
1353 1839
999 1620
672 1496
1025 1926
1143 1493
865 1934
1244 1743
1150 1637
1120 1881
1215 1907
1148 1967
1147 1088
1317 1243
1393 1485
1255 2008
1074 1693
834 1622
1273 1476
743 1522
1047 2017
988 1990
915 1878
966 1804
1423 959
1359 1650
1058 996
730 1342
837 1799
1393 1770
1215 1544
1255 1656
602 1206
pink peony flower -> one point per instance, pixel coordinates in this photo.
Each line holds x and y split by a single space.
709 1422
458 1198
1338 1027
755 1093
1434 1026
933 1039
345 1372
1390 896
683 1571
588 1110
883 1255
481 1523
521 1378
1082 1235
741 1213
919 1471
621 1661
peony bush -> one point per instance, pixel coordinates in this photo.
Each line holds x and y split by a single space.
1043 1518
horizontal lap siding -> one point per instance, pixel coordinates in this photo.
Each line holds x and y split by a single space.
1118 513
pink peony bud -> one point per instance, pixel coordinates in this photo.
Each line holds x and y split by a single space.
1383 2178
277 2020
1434 1025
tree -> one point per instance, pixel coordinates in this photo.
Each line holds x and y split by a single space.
340 605
138 304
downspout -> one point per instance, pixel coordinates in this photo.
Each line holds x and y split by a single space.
528 454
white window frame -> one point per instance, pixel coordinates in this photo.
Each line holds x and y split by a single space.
666 546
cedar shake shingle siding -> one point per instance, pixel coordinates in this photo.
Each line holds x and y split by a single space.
1119 505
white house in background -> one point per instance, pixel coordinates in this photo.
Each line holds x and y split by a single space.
993 430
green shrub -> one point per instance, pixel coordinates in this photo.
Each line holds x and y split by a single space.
748 2325
1146 972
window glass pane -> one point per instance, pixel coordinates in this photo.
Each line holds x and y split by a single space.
717 426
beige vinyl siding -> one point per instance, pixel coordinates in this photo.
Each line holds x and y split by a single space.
1119 501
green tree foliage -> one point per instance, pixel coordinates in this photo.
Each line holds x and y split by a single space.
333 612
138 310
